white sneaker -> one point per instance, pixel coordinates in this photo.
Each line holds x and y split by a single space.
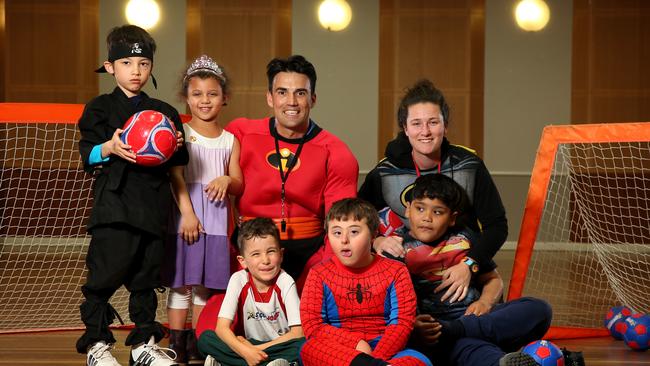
278 362
210 361
150 354
99 354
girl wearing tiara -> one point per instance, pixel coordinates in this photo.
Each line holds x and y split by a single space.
198 257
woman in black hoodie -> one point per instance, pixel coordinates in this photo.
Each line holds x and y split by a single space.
422 148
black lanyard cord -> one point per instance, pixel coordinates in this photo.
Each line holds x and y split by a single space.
291 162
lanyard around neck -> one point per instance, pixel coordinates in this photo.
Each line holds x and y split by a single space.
291 162
417 169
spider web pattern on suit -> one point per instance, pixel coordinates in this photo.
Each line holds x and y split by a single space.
339 308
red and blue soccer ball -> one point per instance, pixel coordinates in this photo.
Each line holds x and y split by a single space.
545 353
152 137
615 321
637 334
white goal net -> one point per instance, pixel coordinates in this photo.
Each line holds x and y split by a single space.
45 199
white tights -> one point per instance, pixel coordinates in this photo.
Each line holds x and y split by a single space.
180 297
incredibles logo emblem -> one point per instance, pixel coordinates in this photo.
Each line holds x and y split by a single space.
282 160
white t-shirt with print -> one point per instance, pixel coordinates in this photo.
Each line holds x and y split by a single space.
265 316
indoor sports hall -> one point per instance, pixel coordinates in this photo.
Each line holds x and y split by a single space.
559 113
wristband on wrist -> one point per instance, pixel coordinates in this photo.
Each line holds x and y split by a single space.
471 263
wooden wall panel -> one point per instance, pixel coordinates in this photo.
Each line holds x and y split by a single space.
51 50
442 41
243 36
611 51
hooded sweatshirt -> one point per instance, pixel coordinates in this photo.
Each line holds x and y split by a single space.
389 183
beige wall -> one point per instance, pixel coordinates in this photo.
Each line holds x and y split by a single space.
347 65
527 86
169 60
527 82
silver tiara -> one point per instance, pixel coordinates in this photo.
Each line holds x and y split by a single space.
205 63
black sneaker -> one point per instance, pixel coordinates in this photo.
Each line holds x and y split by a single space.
573 358
517 359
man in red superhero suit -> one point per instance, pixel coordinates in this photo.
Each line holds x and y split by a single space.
293 169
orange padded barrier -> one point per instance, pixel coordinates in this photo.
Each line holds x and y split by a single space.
46 112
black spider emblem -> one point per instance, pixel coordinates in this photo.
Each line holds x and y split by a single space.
359 293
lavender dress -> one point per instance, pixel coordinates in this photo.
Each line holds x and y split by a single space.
207 261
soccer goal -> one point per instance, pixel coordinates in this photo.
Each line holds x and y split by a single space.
584 244
45 198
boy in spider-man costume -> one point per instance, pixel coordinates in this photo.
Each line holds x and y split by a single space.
357 308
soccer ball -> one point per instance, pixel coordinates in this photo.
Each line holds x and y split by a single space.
545 353
615 320
637 334
152 137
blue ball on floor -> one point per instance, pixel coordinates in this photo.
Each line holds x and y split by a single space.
637 334
546 353
615 320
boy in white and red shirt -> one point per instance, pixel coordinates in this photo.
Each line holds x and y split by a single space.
262 302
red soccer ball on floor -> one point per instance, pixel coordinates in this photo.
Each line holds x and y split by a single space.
637 334
545 353
152 137
615 320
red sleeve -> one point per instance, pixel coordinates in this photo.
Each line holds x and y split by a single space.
313 324
401 315
235 127
342 174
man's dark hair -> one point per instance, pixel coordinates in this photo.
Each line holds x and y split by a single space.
295 63
441 187
258 227
354 209
422 91
128 35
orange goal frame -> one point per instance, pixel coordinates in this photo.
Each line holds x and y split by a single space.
552 137
46 112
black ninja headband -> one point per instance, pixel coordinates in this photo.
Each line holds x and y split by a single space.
123 50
